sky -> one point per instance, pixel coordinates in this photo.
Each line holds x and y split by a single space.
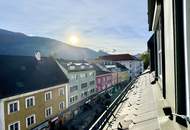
115 26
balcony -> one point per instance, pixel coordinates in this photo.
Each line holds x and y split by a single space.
139 109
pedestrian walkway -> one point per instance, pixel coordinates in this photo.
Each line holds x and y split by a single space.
138 111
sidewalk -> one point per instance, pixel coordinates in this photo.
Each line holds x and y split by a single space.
139 110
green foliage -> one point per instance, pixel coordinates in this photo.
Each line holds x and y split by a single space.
146 58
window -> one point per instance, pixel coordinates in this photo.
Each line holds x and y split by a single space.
82 95
159 43
73 88
104 79
92 82
83 85
13 106
48 112
99 80
82 67
82 75
61 106
61 92
30 101
86 75
48 96
73 99
92 90
74 77
91 73
71 67
86 93
76 98
14 126
30 120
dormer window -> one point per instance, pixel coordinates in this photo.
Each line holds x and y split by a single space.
68 64
86 63
82 67
72 67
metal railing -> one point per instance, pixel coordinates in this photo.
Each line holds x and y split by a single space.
103 119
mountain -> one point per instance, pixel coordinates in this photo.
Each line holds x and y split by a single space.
14 43
138 55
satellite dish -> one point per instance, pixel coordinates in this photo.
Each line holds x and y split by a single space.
38 56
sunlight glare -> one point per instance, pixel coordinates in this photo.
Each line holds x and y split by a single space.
74 40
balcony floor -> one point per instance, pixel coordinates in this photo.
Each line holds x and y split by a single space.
139 110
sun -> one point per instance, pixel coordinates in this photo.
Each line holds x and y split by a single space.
74 40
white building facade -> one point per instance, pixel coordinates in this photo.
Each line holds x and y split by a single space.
135 66
82 81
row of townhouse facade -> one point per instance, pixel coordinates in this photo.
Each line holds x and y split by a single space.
134 64
29 94
36 91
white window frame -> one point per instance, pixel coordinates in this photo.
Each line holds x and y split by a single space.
82 75
73 98
13 124
186 17
71 87
50 95
51 110
31 97
159 49
63 90
85 86
33 115
91 73
12 102
63 105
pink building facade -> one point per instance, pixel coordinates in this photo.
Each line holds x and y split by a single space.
103 81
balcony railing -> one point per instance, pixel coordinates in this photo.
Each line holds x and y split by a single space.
103 119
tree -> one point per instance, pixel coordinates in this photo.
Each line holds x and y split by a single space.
145 57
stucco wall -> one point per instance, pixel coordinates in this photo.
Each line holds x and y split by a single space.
38 109
102 84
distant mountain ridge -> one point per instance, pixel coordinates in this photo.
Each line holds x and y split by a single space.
15 43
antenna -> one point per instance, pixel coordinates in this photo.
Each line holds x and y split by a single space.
38 56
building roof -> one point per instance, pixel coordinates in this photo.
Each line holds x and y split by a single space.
22 74
151 6
121 67
115 67
118 57
75 65
99 71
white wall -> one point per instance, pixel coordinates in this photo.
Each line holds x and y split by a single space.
2 118
187 51
78 82
134 66
169 53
